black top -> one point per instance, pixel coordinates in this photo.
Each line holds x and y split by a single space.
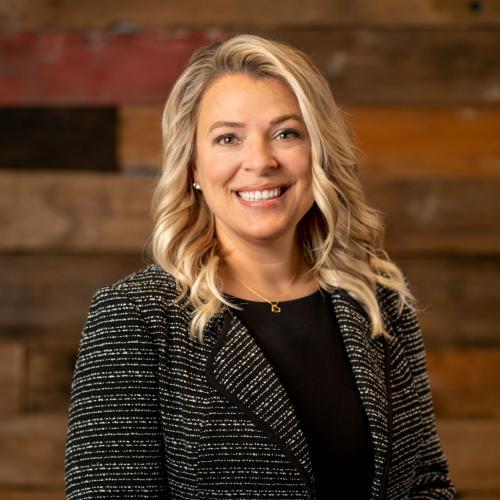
305 347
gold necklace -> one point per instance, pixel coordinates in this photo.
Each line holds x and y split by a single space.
275 308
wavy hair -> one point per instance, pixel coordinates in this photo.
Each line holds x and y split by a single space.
341 235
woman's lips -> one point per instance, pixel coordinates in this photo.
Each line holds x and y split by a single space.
262 203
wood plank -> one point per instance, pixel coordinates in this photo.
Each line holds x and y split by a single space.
44 298
109 212
49 376
465 381
74 211
62 138
405 66
35 494
33 447
127 14
480 495
12 377
471 446
139 137
435 140
460 297
92 67
400 66
437 214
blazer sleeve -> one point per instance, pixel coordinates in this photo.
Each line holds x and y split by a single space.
432 479
114 443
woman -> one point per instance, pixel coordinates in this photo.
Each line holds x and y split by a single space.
271 350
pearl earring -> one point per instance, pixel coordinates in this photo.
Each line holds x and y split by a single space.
196 185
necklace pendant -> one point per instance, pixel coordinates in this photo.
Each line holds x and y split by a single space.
275 308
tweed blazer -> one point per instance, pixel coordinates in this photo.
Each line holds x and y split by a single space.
156 414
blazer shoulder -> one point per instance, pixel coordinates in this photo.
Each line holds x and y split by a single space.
391 307
147 284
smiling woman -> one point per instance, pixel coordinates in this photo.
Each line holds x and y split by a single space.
257 179
272 349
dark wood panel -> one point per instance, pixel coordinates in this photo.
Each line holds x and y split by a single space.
461 140
44 298
49 376
106 212
479 495
362 65
437 214
465 382
58 138
127 14
471 446
12 377
36 494
458 298
33 450
404 66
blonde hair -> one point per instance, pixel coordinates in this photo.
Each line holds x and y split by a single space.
341 236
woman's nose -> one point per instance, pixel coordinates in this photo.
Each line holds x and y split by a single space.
259 155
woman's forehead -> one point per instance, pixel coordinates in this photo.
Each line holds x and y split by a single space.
237 96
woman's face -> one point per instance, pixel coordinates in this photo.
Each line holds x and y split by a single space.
253 158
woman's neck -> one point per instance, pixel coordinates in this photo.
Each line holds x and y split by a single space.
277 276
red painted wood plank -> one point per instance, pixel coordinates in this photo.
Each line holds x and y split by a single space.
93 67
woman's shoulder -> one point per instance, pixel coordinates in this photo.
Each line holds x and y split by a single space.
148 283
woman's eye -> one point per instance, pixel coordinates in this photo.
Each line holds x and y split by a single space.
223 138
289 131
229 139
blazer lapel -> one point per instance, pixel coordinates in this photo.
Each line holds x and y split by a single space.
238 369
368 358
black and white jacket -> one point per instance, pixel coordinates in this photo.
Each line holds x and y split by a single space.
155 414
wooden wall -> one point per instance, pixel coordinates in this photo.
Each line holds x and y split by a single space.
81 93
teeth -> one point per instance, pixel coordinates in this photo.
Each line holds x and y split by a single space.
259 195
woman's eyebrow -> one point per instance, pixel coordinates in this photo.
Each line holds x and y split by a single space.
279 119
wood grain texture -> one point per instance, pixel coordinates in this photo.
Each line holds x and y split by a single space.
127 14
405 66
58 138
91 212
49 375
465 381
44 298
82 211
12 376
33 494
457 298
471 446
437 214
94 67
32 450
362 65
139 137
437 140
